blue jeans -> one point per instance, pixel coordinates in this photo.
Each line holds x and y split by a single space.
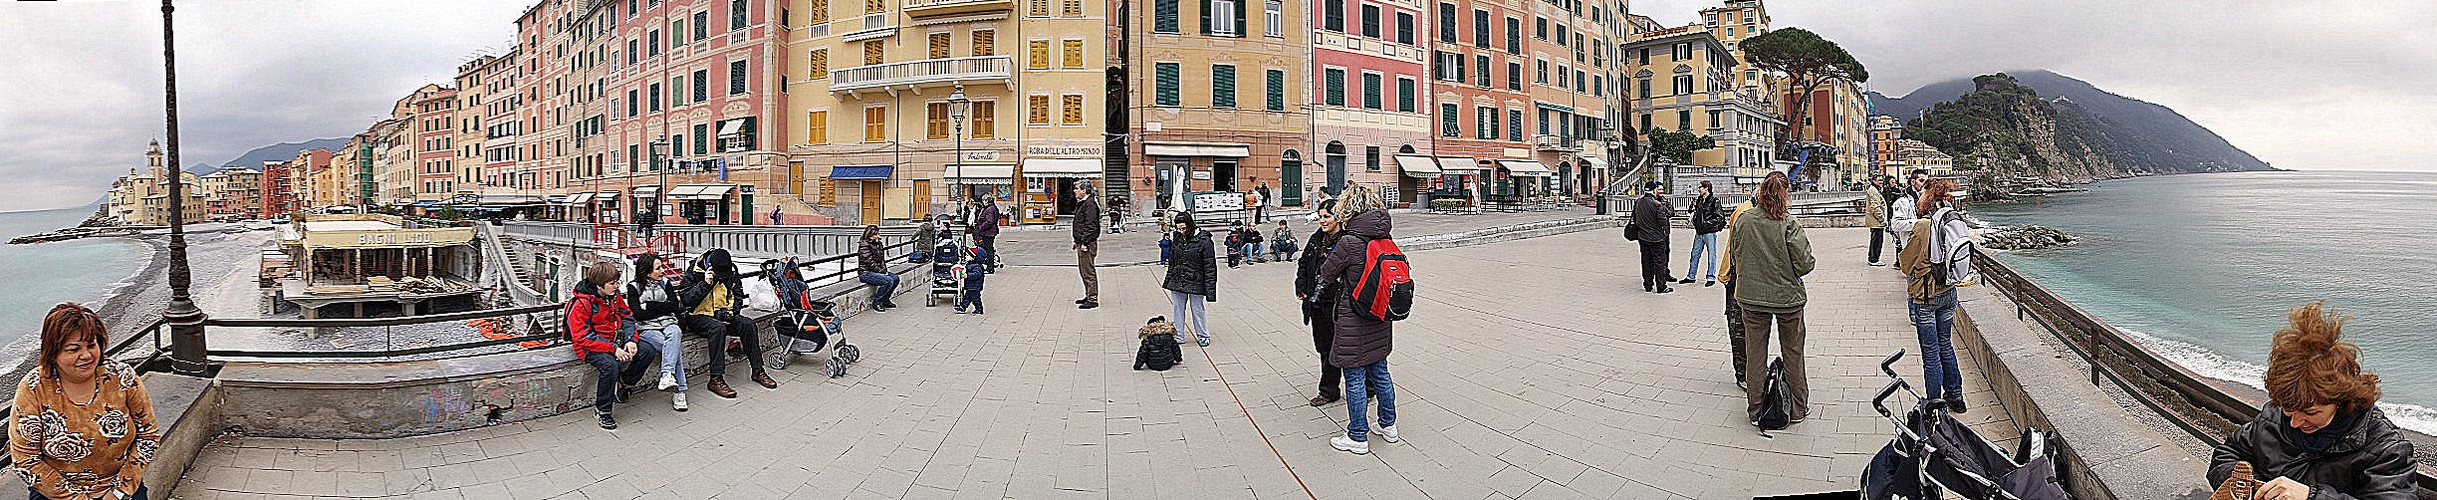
1704 246
1361 384
672 353
1182 302
1934 322
883 285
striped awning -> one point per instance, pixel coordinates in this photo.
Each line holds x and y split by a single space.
1524 168
1417 166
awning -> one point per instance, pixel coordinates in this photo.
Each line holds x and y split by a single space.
1524 168
647 191
496 200
700 192
578 199
1197 149
871 172
996 173
731 128
426 203
1594 163
1071 168
1458 165
1417 166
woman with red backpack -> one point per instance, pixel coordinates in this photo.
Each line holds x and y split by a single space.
1361 342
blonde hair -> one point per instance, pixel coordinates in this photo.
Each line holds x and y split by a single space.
1356 199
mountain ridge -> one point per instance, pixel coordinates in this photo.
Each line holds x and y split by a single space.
2161 140
253 158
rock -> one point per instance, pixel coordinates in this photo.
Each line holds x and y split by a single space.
2024 238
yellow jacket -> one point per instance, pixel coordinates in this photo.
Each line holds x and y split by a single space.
1726 260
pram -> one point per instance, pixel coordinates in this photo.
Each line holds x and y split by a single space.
947 271
805 325
1932 452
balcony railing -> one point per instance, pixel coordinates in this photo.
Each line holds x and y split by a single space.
917 73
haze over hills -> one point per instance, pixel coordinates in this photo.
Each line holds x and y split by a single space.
274 152
2143 135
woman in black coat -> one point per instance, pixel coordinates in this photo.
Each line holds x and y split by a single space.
1192 276
1360 345
1318 304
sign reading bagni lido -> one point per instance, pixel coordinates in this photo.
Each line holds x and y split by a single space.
360 231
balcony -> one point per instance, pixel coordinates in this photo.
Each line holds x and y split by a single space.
1546 142
927 72
927 8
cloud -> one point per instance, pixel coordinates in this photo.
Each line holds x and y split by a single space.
86 96
2332 84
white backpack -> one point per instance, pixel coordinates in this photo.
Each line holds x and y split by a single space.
1950 249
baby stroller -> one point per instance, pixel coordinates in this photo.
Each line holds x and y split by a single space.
1933 453
947 271
805 325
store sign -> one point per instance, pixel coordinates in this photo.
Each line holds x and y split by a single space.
1201 175
1058 151
981 156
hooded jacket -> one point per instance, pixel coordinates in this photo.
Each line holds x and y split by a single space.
1360 341
2371 461
1193 266
1874 208
986 220
1771 257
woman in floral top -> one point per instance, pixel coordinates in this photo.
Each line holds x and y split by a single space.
82 426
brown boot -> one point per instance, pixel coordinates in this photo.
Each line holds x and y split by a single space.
719 386
763 378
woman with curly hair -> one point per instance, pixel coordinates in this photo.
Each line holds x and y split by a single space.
82 426
2321 435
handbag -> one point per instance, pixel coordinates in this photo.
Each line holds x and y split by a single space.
1633 231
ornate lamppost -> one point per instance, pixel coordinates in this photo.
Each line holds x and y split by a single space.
186 340
957 103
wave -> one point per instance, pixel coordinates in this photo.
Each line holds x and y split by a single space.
2210 364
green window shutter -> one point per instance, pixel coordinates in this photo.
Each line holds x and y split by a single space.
1164 12
1277 90
1222 86
1167 91
1240 27
1447 121
1404 95
1370 91
1336 87
1205 17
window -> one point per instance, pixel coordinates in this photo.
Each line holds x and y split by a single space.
985 119
1579 85
873 52
1447 121
1165 90
1370 158
1332 15
1683 51
702 139
1514 36
655 97
1480 70
939 44
1540 28
1071 8
1480 28
1040 54
1222 86
935 124
1446 22
1645 123
1598 87
1404 28
1370 90
630 51
1073 114
736 14
1038 114
1037 8
1484 123
1683 84
1276 83
1333 86
1221 18
631 104
1683 120
875 6
652 42
1404 94
736 77
1073 48
817 64
1540 72
1163 14
1644 83
1273 19
702 29
702 85
1370 20
816 127
676 92
1514 125
1514 76
818 13
985 43
676 33
875 124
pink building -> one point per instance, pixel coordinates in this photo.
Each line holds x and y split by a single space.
434 129
1370 99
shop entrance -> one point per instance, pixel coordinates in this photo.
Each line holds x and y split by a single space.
1222 175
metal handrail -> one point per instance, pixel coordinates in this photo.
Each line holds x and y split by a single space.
2168 389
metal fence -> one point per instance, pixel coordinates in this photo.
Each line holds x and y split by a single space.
754 241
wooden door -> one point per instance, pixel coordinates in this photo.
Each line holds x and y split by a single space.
870 195
922 198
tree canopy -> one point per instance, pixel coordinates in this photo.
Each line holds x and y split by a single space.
1677 147
1800 54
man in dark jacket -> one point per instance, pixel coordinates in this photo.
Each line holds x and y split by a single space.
1192 277
1707 220
1087 244
1652 215
1362 344
985 227
1319 305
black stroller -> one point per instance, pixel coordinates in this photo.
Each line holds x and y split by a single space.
1933 453
805 325
947 260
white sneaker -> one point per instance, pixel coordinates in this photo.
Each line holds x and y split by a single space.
1388 433
1343 443
668 381
680 401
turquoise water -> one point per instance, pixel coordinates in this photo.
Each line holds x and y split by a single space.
2204 267
42 275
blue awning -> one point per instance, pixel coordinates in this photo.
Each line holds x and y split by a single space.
426 203
873 172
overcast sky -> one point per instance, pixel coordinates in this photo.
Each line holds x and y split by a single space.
2324 84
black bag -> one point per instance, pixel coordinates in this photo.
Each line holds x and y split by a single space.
1776 402
1633 232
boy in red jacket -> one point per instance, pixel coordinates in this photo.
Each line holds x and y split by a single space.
601 328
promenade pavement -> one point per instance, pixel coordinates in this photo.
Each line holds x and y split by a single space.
1053 246
1531 369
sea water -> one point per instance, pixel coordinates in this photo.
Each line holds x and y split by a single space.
37 276
2203 268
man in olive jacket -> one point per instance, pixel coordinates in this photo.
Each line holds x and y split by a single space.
1087 243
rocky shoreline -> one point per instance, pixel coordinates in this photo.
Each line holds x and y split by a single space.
2024 238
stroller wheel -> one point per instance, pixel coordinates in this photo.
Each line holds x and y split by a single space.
779 361
837 367
850 352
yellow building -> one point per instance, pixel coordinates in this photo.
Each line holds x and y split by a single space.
141 198
872 133
1913 154
233 191
1683 80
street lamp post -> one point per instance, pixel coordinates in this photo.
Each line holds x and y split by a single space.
186 340
957 103
651 215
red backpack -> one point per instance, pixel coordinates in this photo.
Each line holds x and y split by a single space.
1385 292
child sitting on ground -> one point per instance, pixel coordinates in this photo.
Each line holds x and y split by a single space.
1282 248
1158 351
974 271
1235 245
